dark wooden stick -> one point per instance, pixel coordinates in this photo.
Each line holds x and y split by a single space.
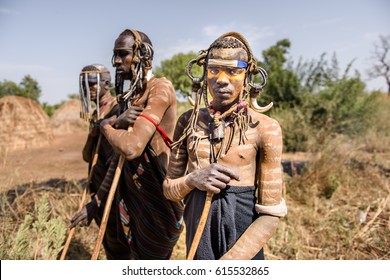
107 208
71 232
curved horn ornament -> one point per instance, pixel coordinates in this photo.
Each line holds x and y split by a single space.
255 90
191 101
257 108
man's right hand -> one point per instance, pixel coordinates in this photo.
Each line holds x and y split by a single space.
95 129
212 178
85 216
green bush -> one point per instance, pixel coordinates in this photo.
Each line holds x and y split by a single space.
50 109
40 236
340 106
295 128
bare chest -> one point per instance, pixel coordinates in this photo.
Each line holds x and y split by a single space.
230 151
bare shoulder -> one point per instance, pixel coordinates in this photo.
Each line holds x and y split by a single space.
263 122
162 84
160 93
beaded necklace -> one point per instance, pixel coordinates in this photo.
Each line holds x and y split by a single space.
218 125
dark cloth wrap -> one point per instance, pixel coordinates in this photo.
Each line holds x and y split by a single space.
231 212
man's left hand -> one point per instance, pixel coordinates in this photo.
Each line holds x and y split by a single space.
85 216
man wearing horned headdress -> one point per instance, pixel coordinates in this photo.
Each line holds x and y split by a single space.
95 83
230 151
150 224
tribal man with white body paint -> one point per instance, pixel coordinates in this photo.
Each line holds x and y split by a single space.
150 223
95 84
233 152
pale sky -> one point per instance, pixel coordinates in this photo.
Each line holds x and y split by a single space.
53 40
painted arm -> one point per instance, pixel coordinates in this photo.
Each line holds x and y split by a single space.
132 144
269 197
174 185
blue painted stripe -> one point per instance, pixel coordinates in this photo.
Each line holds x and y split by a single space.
241 64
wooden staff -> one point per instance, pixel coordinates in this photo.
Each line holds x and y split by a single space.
107 208
94 161
203 217
201 225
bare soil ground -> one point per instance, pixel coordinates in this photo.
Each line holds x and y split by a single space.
61 159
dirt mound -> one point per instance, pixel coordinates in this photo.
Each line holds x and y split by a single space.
67 118
23 124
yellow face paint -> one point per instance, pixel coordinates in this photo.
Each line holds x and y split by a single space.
231 72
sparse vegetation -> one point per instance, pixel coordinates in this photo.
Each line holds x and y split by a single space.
339 208
35 218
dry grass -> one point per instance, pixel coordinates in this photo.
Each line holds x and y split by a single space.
338 209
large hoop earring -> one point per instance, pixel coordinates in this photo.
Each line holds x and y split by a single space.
189 73
255 91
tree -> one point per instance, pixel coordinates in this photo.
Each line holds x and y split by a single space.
30 88
174 69
9 88
381 60
283 86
